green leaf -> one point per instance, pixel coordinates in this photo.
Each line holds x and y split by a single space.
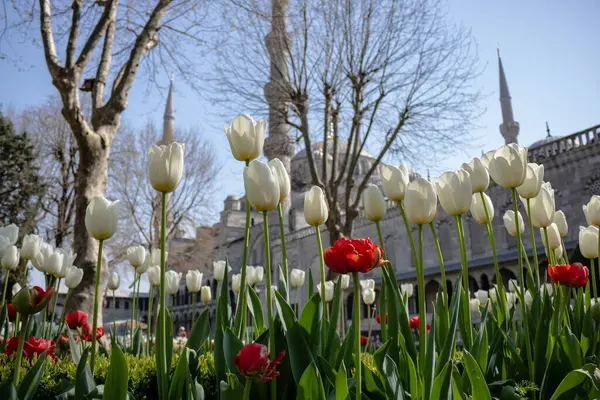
257 312
178 382
231 347
84 382
28 386
542 338
310 386
8 391
74 349
465 326
441 385
311 284
415 380
282 285
450 342
572 348
479 387
310 320
286 314
341 384
577 377
138 340
327 371
480 344
166 341
392 379
333 319
300 354
200 332
430 360
117 378
396 306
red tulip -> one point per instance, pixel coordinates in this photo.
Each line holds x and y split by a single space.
353 255
31 347
378 318
76 319
86 332
12 312
574 275
11 345
428 327
30 301
63 342
364 340
253 362
414 322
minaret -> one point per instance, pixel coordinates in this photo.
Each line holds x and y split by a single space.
509 128
169 117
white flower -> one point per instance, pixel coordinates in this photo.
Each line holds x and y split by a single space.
374 203
420 202
101 217
548 288
543 207
553 237
15 289
155 257
11 233
31 246
165 166
205 294
534 176
478 210
246 137
591 211
558 252
345 281
486 158
588 241
262 186
561 223
297 278
474 305
193 280
510 225
283 178
113 281
480 177
73 277
48 260
136 255
316 211
482 296
513 285
394 181
528 299
368 296
329 286
367 283
493 294
10 259
236 281
68 260
508 166
219 269
154 275
407 289
511 298
172 279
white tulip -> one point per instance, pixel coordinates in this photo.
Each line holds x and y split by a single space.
172 279
368 296
4 244
31 246
486 158
493 294
101 217
68 259
274 289
367 284
553 237
394 181
262 186
561 223
511 299
513 285
374 203
297 278
259 273
73 277
246 137
508 166
146 264
155 257
329 287
165 166
193 280
480 177
474 305
48 260
136 255
592 211
10 259
482 296
250 275
454 190
478 210
345 281
534 177
219 269
15 289
283 178
407 289
588 241
543 207
236 281
154 275
558 252
528 299
11 233
113 281
316 211
205 294
420 202
509 223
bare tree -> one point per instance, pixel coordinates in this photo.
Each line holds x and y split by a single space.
391 77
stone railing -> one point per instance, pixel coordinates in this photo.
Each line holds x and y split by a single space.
564 144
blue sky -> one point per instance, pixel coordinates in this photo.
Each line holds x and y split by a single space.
549 50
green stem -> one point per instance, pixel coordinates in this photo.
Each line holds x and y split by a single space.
24 327
522 285
193 308
54 307
272 350
422 303
62 316
114 309
286 275
163 368
369 317
132 312
240 311
137 299
593 278
296 301
408 231
465 276
6 276
441 262
247 389
322 275
343 319
96 295
382 294
150 313
356 323
565 255
535 255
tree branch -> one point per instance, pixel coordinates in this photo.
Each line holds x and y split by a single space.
73 33
48 38
105 58
94 37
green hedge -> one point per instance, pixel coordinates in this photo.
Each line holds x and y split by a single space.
60 376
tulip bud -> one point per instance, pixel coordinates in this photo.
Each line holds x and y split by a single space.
262 186
528 299
493 294
11 233
478 210
205 294
329 287
561 223
15 289
482 296
193 280
172 279
258 274
508 166
420 202
486 158
165 166
595 311
49 260
283 178
480 177
10 259
592 211
219 269
407 289
73 277
101 217
136 255
513 285
368 296
374 203
543 207
297 278
246 137
236 281
534 177
154 275
345 281
367 284
315 207
511 299
474 305
68 260
394 181
553 237
31 246
588 241
454 190
31 301
510 225
113 281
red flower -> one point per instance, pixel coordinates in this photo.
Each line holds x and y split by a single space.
63 342
353 255
31 347
574 275
86 332
11 345
414 322
253 362
12 312
428 327
31 301
364 340
76 319
378 318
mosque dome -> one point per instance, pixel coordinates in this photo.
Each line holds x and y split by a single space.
547 140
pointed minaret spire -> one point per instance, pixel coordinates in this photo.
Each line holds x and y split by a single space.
509 127
548 129
169 117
